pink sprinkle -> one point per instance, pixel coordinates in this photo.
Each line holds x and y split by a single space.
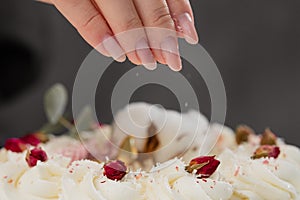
266 162
237 171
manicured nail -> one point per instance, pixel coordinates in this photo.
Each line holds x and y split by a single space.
188 28
170 51
111 45
145 55
102 50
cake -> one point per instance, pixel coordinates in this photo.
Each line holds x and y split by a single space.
241 165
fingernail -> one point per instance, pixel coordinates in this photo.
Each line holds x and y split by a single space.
170 52
111 45
188 28
145 55
102 50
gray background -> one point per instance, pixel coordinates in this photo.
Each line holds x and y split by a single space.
255 44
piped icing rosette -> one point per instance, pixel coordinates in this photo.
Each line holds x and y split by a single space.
19 181
262 171
170 180
85 180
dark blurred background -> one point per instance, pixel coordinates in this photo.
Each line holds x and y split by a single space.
255 44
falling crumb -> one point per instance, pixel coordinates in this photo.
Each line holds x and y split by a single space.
71 171
76 164
102 181
5 177
237 171
212 187
9 181
204 180
177 168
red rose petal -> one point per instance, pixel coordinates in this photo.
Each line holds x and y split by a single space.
15 145
115 170
204 166
36 154
31 139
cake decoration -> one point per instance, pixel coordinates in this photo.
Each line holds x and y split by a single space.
243 133
241 166
268 138
15 145
204 166
115 170
269 151
35 155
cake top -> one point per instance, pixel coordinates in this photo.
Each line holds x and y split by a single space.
242 165
145 157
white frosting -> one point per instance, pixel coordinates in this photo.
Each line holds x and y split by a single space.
238 177
85 180
170 181
43 181
264 178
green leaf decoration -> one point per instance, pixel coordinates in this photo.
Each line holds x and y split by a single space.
85 119
55 102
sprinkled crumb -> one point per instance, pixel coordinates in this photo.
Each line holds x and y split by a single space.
266 162
237 171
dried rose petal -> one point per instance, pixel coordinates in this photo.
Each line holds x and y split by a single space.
266 151
36 154
268 138
204 166
31 139
115 170
242 133
15 145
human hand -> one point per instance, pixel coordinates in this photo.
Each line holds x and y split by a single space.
97 20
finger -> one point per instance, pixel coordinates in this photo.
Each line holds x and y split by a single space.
182 15
164 44
44 1
89 22
122 18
